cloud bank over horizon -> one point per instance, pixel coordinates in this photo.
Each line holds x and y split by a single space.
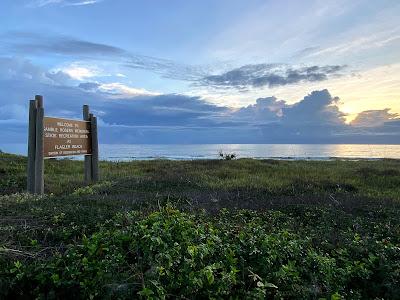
138 116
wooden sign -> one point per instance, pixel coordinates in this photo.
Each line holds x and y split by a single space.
63 137
52 137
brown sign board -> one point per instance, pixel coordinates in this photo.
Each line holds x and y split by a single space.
64 137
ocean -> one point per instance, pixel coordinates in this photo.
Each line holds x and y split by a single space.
126 152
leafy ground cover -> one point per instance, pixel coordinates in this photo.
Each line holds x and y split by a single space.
202 229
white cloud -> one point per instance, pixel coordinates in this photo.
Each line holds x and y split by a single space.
84 3
42 3
80 72
120 90
377 40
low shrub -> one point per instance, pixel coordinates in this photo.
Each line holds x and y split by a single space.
226 156
244 254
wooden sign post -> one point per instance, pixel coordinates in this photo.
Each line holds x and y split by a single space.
53 137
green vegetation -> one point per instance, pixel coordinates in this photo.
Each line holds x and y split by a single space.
202 229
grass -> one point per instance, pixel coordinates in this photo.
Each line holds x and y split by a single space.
333 230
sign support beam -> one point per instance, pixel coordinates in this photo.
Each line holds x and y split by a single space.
52 137
88 158
31 147
39 159
95 149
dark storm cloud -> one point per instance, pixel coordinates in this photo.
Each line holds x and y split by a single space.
270 75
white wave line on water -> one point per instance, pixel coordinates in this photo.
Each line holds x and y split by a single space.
257 151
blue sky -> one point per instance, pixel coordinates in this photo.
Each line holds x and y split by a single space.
206 71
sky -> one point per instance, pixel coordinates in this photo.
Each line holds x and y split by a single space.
226 71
